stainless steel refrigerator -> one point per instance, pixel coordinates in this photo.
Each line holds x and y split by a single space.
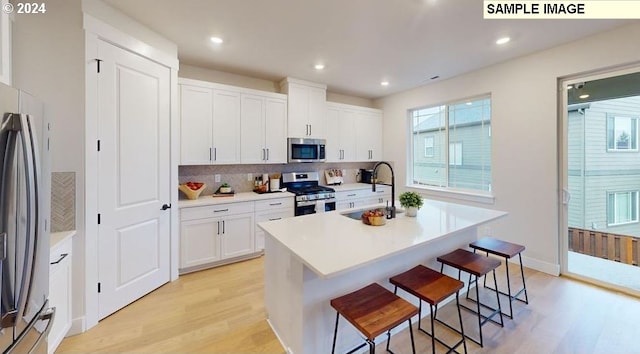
25 317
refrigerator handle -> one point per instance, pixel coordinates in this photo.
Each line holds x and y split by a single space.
46 314
28 148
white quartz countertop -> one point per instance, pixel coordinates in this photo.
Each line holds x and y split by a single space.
331 244
236 198
351 186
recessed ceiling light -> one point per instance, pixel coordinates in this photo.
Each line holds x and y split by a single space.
319 66
583 96
216 40
384 83
503 40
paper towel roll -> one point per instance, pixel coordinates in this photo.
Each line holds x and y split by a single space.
320 206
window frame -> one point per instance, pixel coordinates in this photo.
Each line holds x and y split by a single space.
613 117
473 195
634 219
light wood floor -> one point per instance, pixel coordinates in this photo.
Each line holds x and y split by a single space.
221 310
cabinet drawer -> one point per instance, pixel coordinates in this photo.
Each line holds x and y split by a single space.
357 193
274 203
215 210
57 253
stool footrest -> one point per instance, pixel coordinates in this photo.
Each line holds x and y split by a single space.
486 318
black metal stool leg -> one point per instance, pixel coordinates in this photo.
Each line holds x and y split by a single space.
433 334
413 344
464 342
479 316
524 286
495 283
335 333
510 315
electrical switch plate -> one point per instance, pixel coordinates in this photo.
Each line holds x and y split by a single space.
217 177
249 177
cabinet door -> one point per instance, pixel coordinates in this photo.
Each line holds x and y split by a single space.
237 235
344 204
334 143
196 112
298 122
60 297
269 216
276 130
252 134
199 241
317 108
226 127
368 136
347 134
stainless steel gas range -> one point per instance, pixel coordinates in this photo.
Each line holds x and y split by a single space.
310 196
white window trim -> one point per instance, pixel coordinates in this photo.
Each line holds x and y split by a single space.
637 202
433 144
453 193
615 149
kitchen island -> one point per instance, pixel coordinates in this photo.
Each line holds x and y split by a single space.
314 258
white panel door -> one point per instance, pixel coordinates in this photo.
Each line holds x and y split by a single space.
133 170
276 130
252 148
226 127
196 114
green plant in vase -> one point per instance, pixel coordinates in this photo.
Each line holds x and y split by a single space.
411 201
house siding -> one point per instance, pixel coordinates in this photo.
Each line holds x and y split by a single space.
604 171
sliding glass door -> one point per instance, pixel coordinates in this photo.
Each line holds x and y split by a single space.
601 178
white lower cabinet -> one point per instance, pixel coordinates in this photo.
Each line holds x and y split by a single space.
223 233
60 285
270 210
214 234
362 197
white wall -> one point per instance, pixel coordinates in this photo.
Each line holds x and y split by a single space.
48 62
524 132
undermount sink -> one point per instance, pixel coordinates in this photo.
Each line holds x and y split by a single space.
355 215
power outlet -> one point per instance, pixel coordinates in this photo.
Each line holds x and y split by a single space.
217 178
249 177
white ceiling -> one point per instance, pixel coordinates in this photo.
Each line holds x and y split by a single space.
361 42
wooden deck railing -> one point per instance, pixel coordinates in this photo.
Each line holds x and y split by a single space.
619 248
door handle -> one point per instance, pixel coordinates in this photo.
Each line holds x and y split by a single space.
62 256
166 206
310 129
267 154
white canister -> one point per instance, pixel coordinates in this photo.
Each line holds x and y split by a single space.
274 184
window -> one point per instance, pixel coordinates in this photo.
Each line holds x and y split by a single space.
622 208
455 154
622 133
428 146
451 145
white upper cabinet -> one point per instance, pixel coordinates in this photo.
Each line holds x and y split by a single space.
340 133
263 132
5 46
196 125
369 135
306 108
209 123
354 133
226 127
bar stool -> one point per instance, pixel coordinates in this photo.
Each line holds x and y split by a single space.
373 310
478 266
432 287
506 250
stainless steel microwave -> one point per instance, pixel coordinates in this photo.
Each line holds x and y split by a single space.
306 150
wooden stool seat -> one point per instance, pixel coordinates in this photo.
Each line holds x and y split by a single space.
498 247
475 265
506 250
373 310
432 287
469 262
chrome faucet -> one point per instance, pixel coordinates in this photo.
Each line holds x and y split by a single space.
374 174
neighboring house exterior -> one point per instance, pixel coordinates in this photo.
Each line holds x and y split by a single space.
469 150
604 165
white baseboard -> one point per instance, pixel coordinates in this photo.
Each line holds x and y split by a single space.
287 349
544 267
